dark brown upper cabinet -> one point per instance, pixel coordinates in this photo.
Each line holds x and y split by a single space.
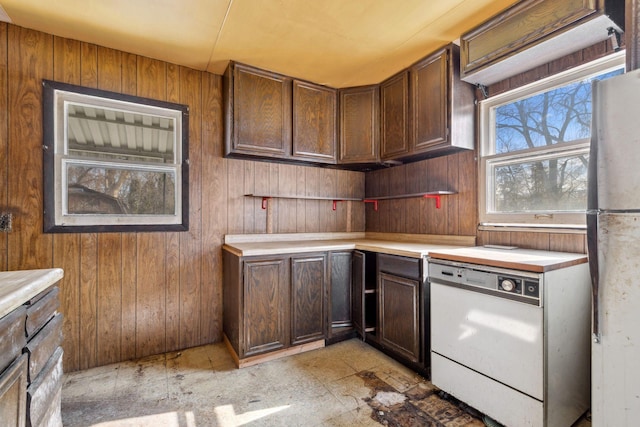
359 125
394 116
315 131
442 106
534 32
258 113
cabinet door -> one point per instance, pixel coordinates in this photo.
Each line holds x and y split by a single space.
315 115
359 124
358 277
340 291
13 394
260 110
429 96
308 284
266 298
399 315
394 116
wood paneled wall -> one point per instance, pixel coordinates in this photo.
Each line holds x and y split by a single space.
458 213
128 295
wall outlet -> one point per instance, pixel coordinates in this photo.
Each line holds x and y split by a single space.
6 220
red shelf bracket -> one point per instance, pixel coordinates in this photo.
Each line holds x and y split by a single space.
335 203
375 203
264 202
433 196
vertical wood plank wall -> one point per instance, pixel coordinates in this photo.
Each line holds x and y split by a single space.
128 295
458 213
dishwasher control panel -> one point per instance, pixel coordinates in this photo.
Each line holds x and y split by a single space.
511 284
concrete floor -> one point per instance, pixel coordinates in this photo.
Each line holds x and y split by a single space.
202 387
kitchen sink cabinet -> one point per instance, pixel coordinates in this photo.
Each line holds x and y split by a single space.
257 113
315 116
442 106
359 125
308 283
394 116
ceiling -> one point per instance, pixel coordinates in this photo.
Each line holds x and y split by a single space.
338 43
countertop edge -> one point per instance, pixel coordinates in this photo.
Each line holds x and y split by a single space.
514 265
21 289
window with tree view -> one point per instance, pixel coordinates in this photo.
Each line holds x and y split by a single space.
114 162
535 149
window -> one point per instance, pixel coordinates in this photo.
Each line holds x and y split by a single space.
535 149
113 162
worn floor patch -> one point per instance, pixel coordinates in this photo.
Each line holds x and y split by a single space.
420 405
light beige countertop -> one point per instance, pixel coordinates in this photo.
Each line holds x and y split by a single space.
18 287
518 259
400 244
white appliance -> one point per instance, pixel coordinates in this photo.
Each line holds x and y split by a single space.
512 344
613 238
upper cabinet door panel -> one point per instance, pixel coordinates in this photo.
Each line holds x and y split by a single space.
359 124
314 122
394 112
430 101
261 122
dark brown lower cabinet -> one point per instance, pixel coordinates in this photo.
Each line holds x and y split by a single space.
400 315
340 313
391 306
266 297
273 303
357 275
308 280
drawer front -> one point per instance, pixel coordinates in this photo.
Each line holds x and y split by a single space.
12 339
43 395
42 346
41 311
400 265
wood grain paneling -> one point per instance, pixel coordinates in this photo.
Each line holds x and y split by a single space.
66 247
214 195
128 295
4 174
30 59
458 213
191 241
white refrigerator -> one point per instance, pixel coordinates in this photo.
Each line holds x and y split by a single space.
613 237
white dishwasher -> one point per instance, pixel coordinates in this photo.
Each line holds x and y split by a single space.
513 344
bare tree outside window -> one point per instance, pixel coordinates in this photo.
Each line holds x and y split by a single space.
544 180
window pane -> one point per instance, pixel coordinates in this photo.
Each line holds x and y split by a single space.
556 184
104 133
103 190
553 117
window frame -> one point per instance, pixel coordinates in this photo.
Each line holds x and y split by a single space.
58 157
488 159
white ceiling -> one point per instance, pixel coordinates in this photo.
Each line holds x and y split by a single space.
339 43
